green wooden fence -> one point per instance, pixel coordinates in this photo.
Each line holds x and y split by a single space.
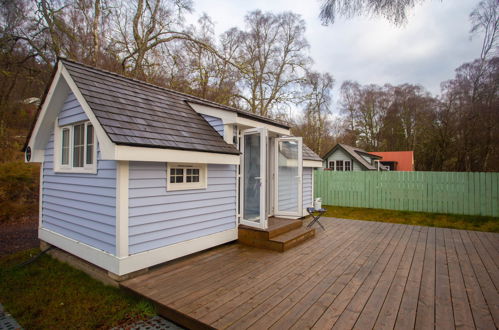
437 192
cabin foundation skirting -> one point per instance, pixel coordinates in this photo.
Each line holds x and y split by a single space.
123 266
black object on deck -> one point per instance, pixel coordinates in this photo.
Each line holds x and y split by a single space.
316 215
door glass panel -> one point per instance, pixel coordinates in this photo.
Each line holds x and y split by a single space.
251 175
288 176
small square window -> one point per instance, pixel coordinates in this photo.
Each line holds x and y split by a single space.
186 176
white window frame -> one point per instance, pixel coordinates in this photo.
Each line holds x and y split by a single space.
68 168
184 185
345 165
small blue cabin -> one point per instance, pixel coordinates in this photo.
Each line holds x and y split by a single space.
134 175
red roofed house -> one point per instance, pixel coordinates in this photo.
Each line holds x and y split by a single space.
397 160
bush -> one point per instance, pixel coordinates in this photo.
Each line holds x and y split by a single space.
19 187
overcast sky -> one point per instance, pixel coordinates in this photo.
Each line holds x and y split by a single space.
425 51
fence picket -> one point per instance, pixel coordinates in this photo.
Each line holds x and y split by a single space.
436 192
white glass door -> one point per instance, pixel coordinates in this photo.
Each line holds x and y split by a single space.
288 177
253 177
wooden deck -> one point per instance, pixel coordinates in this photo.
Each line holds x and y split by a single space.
356 274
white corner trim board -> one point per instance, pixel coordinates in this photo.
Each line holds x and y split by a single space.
125 265
122 180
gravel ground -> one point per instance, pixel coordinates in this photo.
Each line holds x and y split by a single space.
18 236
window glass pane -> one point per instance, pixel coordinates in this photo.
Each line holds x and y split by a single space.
90 144
180 171
172 171
195 178
188 179
339 165
65 147
172 179
180 179
78 145
189 171
195 171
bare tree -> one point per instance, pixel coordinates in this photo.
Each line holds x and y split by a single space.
317 99
273 60
393 10
484 19
143 26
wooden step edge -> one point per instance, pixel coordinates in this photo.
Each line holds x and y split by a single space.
299 240
293 234
293 224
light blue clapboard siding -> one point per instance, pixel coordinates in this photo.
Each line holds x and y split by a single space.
307 186
288 186
71 111
159 218
216 123
80 206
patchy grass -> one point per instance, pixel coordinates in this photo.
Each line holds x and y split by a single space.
455 221
48 294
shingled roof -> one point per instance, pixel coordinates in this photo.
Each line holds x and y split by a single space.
356 153
308 154
136 113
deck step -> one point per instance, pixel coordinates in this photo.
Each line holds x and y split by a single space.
281 235
293 238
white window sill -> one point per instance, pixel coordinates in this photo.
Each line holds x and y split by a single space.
76 170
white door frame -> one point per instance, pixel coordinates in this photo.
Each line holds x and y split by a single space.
262 223
299 209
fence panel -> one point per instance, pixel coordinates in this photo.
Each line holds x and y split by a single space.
438 192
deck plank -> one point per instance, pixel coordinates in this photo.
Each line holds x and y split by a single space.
356 274
425 314
444 315
480 311
460 304
388 314
490 292
406 317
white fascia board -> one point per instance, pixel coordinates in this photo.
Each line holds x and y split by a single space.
172 155
53 102
61 85
105 145
250 123
227 117
230 117
312 163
